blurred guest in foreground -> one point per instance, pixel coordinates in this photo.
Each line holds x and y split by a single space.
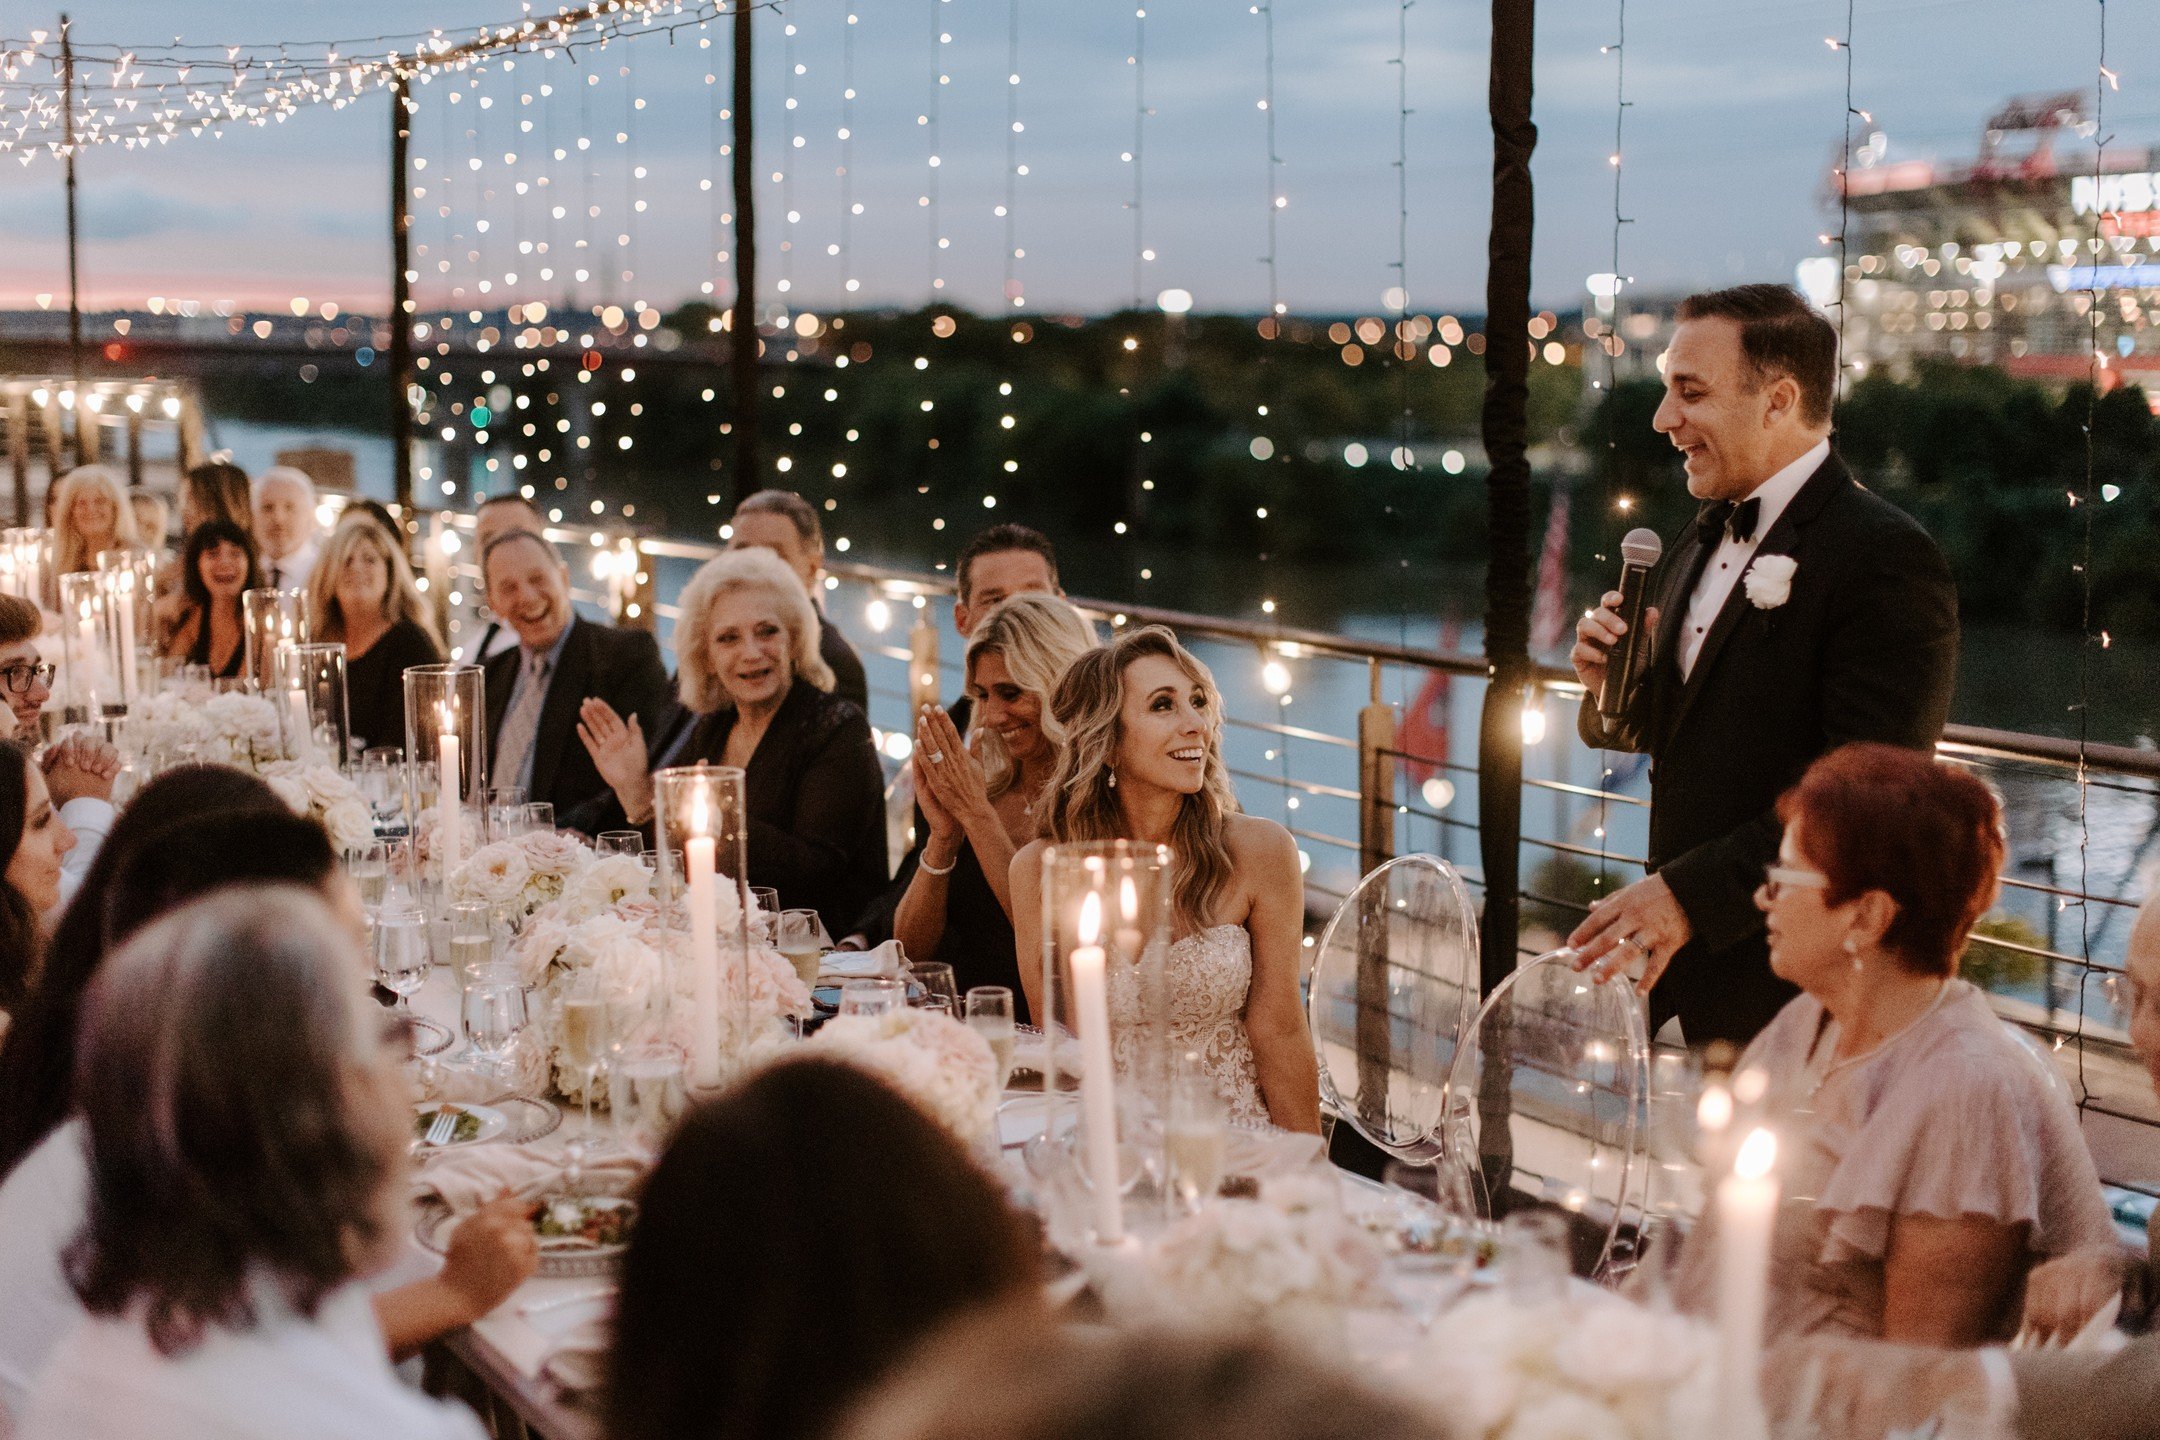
245 1119
33 842
216 568
1927 1161
799 1236
285 526
783 522
92 515
363 596
979 799
1143 761
1009 1377
755 695
562 660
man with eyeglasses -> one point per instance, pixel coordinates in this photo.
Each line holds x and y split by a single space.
79 769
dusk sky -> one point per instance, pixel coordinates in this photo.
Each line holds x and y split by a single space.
1735 122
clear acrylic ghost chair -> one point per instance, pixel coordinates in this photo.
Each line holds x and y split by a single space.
1549 1097
1394 986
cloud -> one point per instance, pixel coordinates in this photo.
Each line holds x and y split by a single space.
118 212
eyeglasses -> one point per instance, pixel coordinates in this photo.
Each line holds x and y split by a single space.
1777 879
21 676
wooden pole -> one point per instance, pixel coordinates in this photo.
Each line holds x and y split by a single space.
401 346
83 415
742 319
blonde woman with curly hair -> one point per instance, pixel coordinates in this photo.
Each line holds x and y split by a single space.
361 593
90 514
979 798
755 695
1143 761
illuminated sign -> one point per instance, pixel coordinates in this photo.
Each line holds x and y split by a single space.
2113 194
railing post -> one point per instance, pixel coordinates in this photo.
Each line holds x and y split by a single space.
1376 780
922 644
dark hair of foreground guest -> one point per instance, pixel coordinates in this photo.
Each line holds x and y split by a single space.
801 1232
19 931
228 1140
37 1058
1928 835
1000 1377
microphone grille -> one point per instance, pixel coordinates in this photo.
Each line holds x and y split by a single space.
1641 547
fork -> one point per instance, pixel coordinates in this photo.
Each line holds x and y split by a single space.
443 1126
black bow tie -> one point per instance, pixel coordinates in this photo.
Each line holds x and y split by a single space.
1721 518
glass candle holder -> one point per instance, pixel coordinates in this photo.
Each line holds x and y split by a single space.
446 722
1105 938
272 618
26 563
85 651
700 810
313 704
129 578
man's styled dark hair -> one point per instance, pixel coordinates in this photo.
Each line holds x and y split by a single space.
797 511
996 540
1780 334
20 620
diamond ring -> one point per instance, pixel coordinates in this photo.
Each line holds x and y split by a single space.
937 757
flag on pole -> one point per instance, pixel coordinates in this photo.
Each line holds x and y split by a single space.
1548 611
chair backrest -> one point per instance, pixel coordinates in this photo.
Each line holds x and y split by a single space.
1394 986
1548 1096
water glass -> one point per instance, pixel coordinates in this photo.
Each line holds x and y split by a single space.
495 1012
800 936
535 817
472 940
369 866
618 842
502 804
646 1096
990 1015
935 978
872 997
422 780
765 924
1196 1137
1534 1255
382 780
402 957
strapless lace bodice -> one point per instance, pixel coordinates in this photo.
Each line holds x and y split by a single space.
1209 975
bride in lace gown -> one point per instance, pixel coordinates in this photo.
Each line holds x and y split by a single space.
1143 761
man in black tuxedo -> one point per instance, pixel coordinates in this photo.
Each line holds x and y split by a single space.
1798 613
534 688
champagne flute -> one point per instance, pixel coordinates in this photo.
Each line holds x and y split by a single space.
402 960
646 1097
472 940
1195 1135
581 1038
369 866
990 1015
495 1013
802 940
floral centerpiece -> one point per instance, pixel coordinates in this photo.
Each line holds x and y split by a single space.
934 1060
1587 1364
230 729
324 795
519 875
1288 1259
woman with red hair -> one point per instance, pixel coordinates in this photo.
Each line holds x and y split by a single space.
1927 1162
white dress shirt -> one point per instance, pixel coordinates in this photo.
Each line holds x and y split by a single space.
91 819
292 571
1730 560
42 1204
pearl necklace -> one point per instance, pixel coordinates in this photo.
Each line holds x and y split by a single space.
1942 988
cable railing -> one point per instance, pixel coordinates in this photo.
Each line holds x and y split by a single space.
1326 756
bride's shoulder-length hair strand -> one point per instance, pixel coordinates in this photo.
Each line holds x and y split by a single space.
1083 802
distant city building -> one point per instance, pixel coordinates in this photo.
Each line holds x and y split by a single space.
1994 260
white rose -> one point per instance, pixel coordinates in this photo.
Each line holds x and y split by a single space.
1769 581
494 874
350 823
1613 1347
553 853
606 883
1562 1416
289 789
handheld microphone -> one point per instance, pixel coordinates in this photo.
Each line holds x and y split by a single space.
1639 553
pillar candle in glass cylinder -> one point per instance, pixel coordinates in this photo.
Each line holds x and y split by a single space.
700 811
1747 1203
129 579
446 722
311 678
272 618
87 681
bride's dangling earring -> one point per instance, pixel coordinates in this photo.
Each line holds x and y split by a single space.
1113 779
1852 953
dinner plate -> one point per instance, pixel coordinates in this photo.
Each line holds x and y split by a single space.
557 1261
492 1123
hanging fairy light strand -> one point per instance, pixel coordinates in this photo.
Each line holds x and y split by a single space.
1613 345
1007 212
931 120
1844 185
141 95
784 177
844 248
1135 157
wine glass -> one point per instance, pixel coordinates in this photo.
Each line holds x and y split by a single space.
618 842
872 997
990 1015
765 924
936 978
369 866
402 961
472 940
801 938
495 1013
646 1095
1196 1137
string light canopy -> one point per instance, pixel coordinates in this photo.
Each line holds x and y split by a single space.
143 95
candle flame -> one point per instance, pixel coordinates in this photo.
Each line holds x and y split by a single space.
1090 918
1758 1154
699 824
445 716
1128 900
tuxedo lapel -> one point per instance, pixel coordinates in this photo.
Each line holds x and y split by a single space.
567 687
498 676
1781 539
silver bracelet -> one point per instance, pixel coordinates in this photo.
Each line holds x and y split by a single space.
924 865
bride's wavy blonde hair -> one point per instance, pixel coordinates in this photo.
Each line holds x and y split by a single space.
1083 798
1038 637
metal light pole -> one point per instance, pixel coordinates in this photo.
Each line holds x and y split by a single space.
401 347
83 454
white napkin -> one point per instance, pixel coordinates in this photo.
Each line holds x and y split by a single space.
468 1178
882 963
